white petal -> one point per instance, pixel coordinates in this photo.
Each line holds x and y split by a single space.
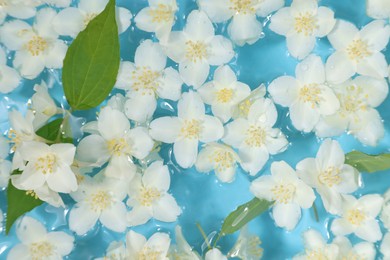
372 203
10 79
63 180
170 85
343 33
150 54
68 21
82 218
300 45
263 110
374 66
112 123
217 10
114 218
190 106
11 36
365 250
212 129
330 154
377 89
135 243
235 132
369 129
20 252
268 6
303 116
141 142
120 167
29 66
329 102
176 47
333 125
340 227
140 107
166 209
95 6
284 90
98 155
313 239
30 230
282 21
311 70
215 254
55 57
138 216
165 129
378 9
369 231
144 21
186 152
29 179
199 26
157 176
224 75
376 34
43 23
220 51
62 241
253 159
123 18
124 79
304 195
339 68
331 199
160 242
194 73
245 28
325 22
65 152
286 215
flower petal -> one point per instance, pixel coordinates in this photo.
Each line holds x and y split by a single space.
286 215
212 129
245 28
62 241
343 33
284 90
82 218
199 26
150 54
166 209
30 230
339 68
114 218
217 10
311 70
374 66
98 155
141 142
194 73
140 107
300 45
63 180
157 176
165 129
220 51
376 34
112 123
186 151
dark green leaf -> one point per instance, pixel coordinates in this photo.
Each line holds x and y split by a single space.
368 163
52 132
244 214
19 203
91 63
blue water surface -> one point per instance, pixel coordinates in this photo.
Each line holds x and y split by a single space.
203 198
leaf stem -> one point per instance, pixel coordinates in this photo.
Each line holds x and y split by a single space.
203 235
315 212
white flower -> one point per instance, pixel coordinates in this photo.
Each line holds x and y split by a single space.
182 250
328 174
385 246
37 47
37 243
70 21
307 95
385 214
244 27
362 250
115 251
288 192
116 143
357 51
220 158
215 254
254 136
149 197
5 165
147 79
22 9
99 198
9 77
378 9
357 114
43 105
358 217
47 164
317 248
22 128
156 247
197 47
301 24
158 18
57 3
247 246
242 108
224 92
187 129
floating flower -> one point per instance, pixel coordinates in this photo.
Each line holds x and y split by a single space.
242 108
149 197
301 24
147 79
70 21
115 251
385 246
16 8
316 247
385 214
37 243
187 129
37 47
220 158
156 247
100 199
357 51
9 77
116 143
357 114
215 254
47 165
182 250
158 18
43 105
22 128
288 192
307 95
378 9
329 175
247 246
197 47
362 250
224 92
254 136
358 217
244 27
5 165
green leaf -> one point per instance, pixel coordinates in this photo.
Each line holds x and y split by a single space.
368 163
92 61
19 203
244 214
52 132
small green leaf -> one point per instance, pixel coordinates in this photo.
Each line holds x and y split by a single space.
92 61
19 203
52 132
368 163
244 214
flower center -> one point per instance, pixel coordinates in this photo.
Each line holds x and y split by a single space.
353 101
100 201
356 217
352 256
255 136
330 177
36 45
118 146
145 80
196 51
148 196
225 95
316 255
88 18
358 50
41 250
283 193
242 6
46 164
148 253
254 248
223 159
310 94
191 129
163 13
305 23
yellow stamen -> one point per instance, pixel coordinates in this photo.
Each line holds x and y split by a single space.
256 136
356 216
100 201
191 129
148 196
305 23
330 177
224 95
163 13
283 193
242 6
310 93
196 51
145 80
358 50
46 164
36 45
41 250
